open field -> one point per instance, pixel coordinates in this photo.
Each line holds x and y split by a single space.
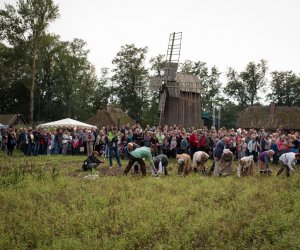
46 203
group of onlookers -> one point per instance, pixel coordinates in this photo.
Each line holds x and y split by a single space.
130 142
168 140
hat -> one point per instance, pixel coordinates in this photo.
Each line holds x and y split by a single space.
226 151
180 161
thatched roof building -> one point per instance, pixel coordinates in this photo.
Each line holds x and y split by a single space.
13 120
270 117
110 117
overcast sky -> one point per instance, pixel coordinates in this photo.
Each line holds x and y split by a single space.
225 33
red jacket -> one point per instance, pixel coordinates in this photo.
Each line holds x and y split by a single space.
194 140
202 141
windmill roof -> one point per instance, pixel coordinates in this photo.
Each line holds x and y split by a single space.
185 82
189 82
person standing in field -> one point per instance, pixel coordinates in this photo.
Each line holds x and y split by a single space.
112 143
11 141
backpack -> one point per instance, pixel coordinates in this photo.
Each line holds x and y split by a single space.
184 143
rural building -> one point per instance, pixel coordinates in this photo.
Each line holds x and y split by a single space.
270 117
13 120
110 116
180 101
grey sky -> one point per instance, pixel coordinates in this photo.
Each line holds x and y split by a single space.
225 33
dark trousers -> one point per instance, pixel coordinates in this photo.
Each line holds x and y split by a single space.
193 151
282 167
275 159
131 162
255 155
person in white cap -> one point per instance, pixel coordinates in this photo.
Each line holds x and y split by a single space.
199 160
226 163
246 166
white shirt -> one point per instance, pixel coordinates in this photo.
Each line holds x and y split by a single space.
288 159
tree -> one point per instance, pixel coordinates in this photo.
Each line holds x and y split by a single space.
158 65
101 93
23 27
13 74
285 88
74 80
130 77
244 87
210 81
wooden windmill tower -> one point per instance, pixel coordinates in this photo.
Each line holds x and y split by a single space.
180 93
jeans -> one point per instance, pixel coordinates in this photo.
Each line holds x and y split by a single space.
36 148
114 150
57 147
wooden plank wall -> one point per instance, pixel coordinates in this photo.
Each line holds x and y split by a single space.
185 111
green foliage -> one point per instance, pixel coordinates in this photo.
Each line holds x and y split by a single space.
23 27
229 113
39 210
130 77
285 88
210 81
244 87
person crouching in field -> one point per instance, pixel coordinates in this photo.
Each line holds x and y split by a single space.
288 161
184 164
161 162
220 146
264 159
246 166
226 163
91 162
199 160
138 155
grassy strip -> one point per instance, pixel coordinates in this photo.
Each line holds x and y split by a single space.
46 203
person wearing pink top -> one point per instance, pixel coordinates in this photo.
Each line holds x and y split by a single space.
282 145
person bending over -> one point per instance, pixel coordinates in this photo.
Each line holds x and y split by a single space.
199 160
288 161
161 162
137 155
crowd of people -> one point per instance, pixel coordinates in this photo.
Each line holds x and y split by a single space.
130 142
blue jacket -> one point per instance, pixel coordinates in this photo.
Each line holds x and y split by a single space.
220 146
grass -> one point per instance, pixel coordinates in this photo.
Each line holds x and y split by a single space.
46 203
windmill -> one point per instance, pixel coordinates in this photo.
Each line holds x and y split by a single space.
180 93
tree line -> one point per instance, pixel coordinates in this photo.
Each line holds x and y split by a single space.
45 78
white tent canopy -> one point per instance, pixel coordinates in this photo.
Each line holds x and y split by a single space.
68 122
3 126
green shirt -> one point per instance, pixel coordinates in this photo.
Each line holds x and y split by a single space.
143 152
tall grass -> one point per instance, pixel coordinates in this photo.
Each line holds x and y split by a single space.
46 203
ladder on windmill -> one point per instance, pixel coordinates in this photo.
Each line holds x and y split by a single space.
172 61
